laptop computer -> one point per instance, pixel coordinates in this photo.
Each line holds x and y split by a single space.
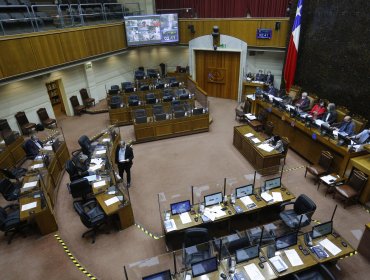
204 267
246 254
180 207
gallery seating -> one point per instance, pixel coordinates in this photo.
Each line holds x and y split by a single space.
45 119
77 108
25 126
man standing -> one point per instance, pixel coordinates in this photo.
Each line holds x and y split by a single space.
123 158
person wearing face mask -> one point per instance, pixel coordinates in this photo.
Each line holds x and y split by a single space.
123 158
346 126
318 110
303 103
331 114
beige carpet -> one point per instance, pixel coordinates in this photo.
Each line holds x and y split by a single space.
170 166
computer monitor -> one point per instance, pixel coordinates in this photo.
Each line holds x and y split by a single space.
197 111
204 267
326 130
343 139
180 207
55 145
286 240
276 103
246 254
272 183
322 229
164 275
293 112
213 199
244 191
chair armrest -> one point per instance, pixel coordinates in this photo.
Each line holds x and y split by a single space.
327 272
282 206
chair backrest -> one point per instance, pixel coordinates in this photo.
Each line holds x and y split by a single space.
262 116
157 109
325 160
115 87
140 113
71 169
238 244
246 106
85 219
74 101
160 116
21 118
141 119
133 97
85 144
4 125
5 187
179 114
115 101
84 94
269 128
195 236
357 180
286 144
304 205
43 114
80 188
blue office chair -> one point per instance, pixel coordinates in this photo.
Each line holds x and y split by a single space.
195 246
133 100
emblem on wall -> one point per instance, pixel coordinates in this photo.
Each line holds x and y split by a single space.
216 75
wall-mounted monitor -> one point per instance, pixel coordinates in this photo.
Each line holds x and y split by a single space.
152 29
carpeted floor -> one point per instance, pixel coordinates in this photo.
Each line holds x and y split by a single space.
168 166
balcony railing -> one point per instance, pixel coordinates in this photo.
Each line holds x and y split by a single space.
16 19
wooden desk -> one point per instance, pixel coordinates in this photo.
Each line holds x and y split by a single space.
249 87
12 154
257 157
266 271
171 128
361 163
364 246
301 139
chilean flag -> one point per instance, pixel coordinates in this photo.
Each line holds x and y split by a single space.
291 58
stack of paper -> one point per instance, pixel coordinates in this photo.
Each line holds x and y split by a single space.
250 117
99 184
170 225
100 152
248 135
35 166
94 167
276 196
330 246
267 197
253 272
28 206
30 185
111 201
47 148
185 218
293 257
251 96
278 99
256 140
214 212
266 147
247 201
278 263
328 179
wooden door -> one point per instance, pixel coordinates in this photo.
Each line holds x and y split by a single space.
218 73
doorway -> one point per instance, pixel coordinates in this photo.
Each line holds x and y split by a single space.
55 90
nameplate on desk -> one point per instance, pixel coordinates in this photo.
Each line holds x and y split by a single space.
47 148
30 185
99 184
28 206
100 152
111 201
293 257
253 272
36 166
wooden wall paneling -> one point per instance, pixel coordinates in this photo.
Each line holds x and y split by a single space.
274 41
54 54
74 45
245 30
16 56
1 72
223 26
104 39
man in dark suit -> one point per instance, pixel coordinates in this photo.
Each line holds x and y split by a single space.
123 158
260 76
331 114
33 146
269 78
303 103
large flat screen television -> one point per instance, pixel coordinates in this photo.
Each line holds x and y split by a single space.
152 29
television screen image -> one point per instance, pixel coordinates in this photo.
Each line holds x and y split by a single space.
272 183
322 229
180 207
164 275
213 199
246 254
244 191
151 29
286 241
204 267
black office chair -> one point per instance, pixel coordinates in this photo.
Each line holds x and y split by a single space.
140 116
179 114
133 100
303 205
115 102
237 244
318 272
74 172
80 188
182 94
9 190
10 221
194 237
150 98
16 173
167 96
91 215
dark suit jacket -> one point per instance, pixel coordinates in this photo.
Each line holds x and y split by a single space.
332 117
31 148
129 154
303 104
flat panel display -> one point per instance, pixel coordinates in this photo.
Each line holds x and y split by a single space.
213 199
286 241
244 191
246 254
272 183
322 229
204 267
180 207
164 275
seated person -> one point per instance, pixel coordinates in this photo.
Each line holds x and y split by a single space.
303 103
347 126
250 76
318 110
33 146
362 137
273 91
269 78
260 76
331 114
275 141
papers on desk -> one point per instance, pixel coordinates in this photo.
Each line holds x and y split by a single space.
276 196
36 166
248 202
266 147
99 184
293 257
278 99
39 157
278 263
267 197
320 122
329 179
106 140
256 140
214 212
96 161
330 246
47 148
185 218
94 167
289 107
111 201
251 96
253 272
250 116
170 225
100 152
91 178
30 185
28 206
249 135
